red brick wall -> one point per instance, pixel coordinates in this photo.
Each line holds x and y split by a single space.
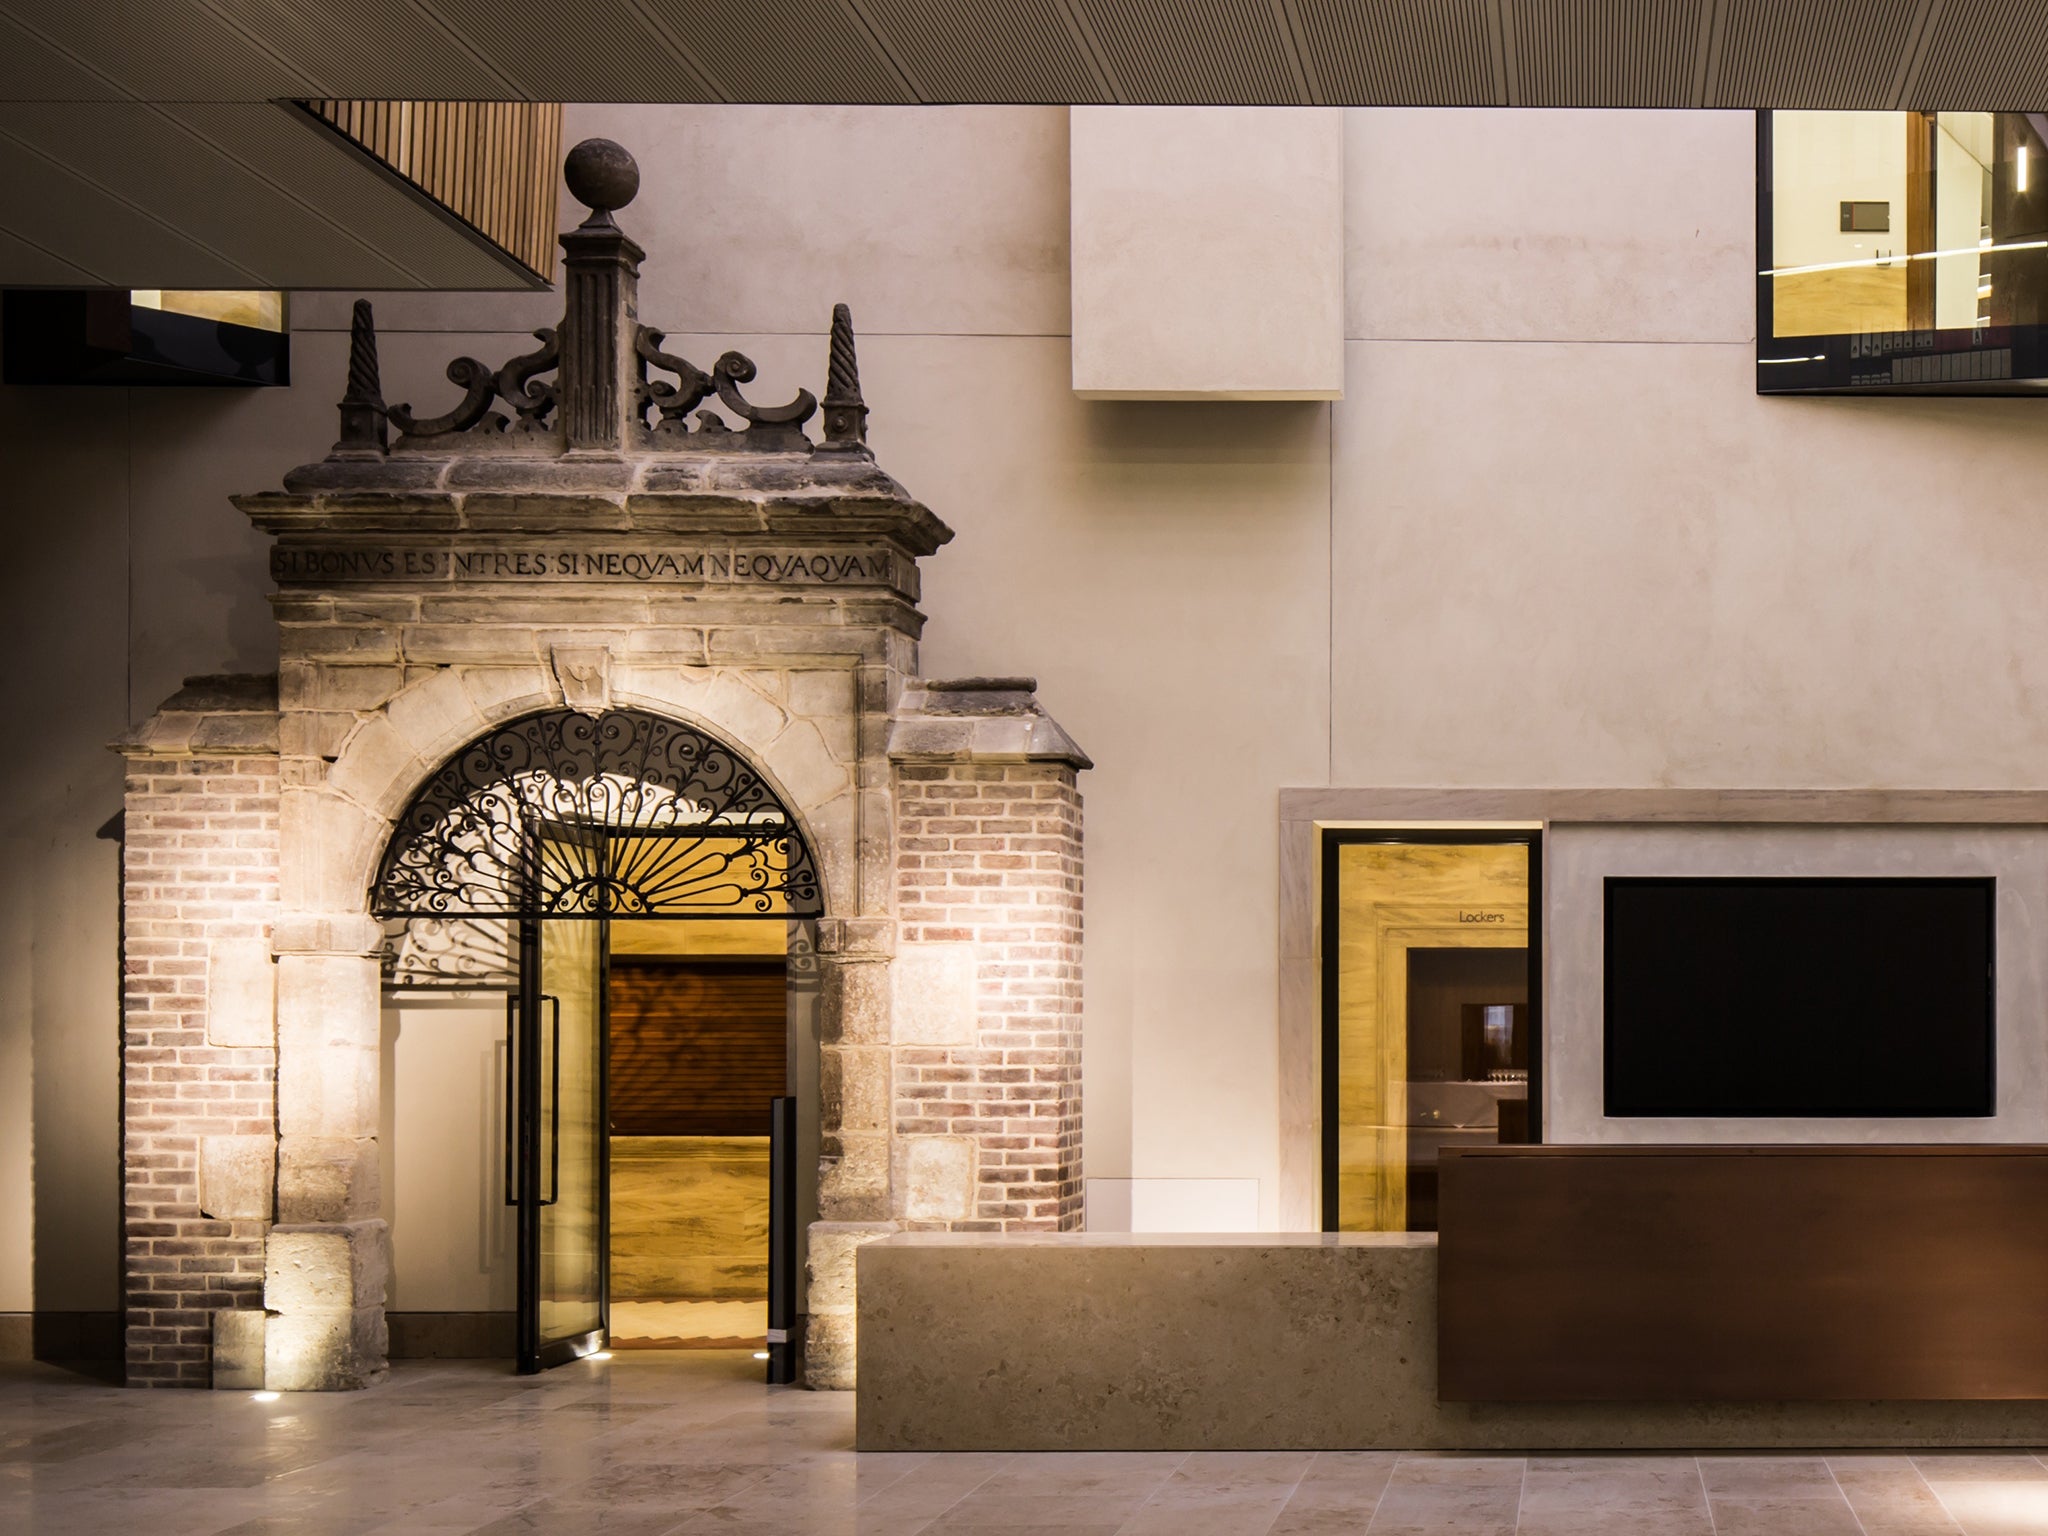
199 861
990 854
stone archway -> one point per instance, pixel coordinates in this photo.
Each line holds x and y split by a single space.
589 553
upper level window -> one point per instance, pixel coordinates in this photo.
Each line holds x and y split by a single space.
1902 252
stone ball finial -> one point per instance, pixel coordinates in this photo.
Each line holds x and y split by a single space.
601 175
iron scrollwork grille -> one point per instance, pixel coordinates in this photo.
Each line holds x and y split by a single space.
667 823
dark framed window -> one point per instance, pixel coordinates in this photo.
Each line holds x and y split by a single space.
1902 253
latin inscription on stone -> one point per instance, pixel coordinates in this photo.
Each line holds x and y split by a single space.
565 562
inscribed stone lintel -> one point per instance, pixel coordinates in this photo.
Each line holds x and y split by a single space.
560 558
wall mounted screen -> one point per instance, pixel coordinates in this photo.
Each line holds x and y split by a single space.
1822 997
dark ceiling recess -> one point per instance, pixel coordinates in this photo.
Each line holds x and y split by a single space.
101 337
153 145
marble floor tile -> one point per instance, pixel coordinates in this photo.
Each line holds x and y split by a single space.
695 1445
1450 1496
1999 1507
1768 1514
1783 1476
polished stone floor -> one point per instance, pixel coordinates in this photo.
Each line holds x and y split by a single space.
691 1443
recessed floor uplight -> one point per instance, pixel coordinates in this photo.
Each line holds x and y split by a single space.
264 1397
602 1354
760 1354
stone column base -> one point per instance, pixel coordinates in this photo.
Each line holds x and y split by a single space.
324 1288
830 1339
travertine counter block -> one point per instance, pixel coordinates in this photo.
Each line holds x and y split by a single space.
1115 1341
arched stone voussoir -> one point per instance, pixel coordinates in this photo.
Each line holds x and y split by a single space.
376 767
833 832
330 848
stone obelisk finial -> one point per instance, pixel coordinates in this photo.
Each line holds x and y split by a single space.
846 414
362 406
600 367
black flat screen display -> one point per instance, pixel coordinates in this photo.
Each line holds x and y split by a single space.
1825 997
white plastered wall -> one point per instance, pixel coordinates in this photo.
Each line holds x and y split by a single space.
1550 537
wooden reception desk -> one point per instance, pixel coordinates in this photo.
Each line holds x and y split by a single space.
1742 1274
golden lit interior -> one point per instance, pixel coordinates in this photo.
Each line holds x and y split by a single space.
689 1213
259 309
1400 908
1884 222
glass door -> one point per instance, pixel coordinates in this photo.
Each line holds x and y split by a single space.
560 1159
1432 985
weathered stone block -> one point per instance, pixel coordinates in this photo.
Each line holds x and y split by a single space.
806 766
238 1349
329 846
934 1177
831 1353
853 1082
502 692
933 1000
434 716
241 994
328 1039
327 1179
854 1185
316 933
856 1001
340 1267
585 673
325 1351
828 692
829 1329
737 712
871 938
235 1177
377 766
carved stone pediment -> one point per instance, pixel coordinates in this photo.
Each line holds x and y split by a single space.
596 430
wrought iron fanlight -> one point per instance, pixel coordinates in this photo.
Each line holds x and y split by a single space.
624 814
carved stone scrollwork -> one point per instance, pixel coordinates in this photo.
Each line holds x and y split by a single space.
770 429
672 402
533 403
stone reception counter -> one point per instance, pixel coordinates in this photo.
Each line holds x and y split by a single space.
1267 1341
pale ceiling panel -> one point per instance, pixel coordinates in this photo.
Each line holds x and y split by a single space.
1210 52
1790 53
186 182
290 148
782 50
92 229
1024 51
1414 53
1986 56
169 50
612 54
1605 53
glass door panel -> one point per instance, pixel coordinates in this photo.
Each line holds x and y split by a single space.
1430 1031
560 1074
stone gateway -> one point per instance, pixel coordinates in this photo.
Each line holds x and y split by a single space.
581 533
